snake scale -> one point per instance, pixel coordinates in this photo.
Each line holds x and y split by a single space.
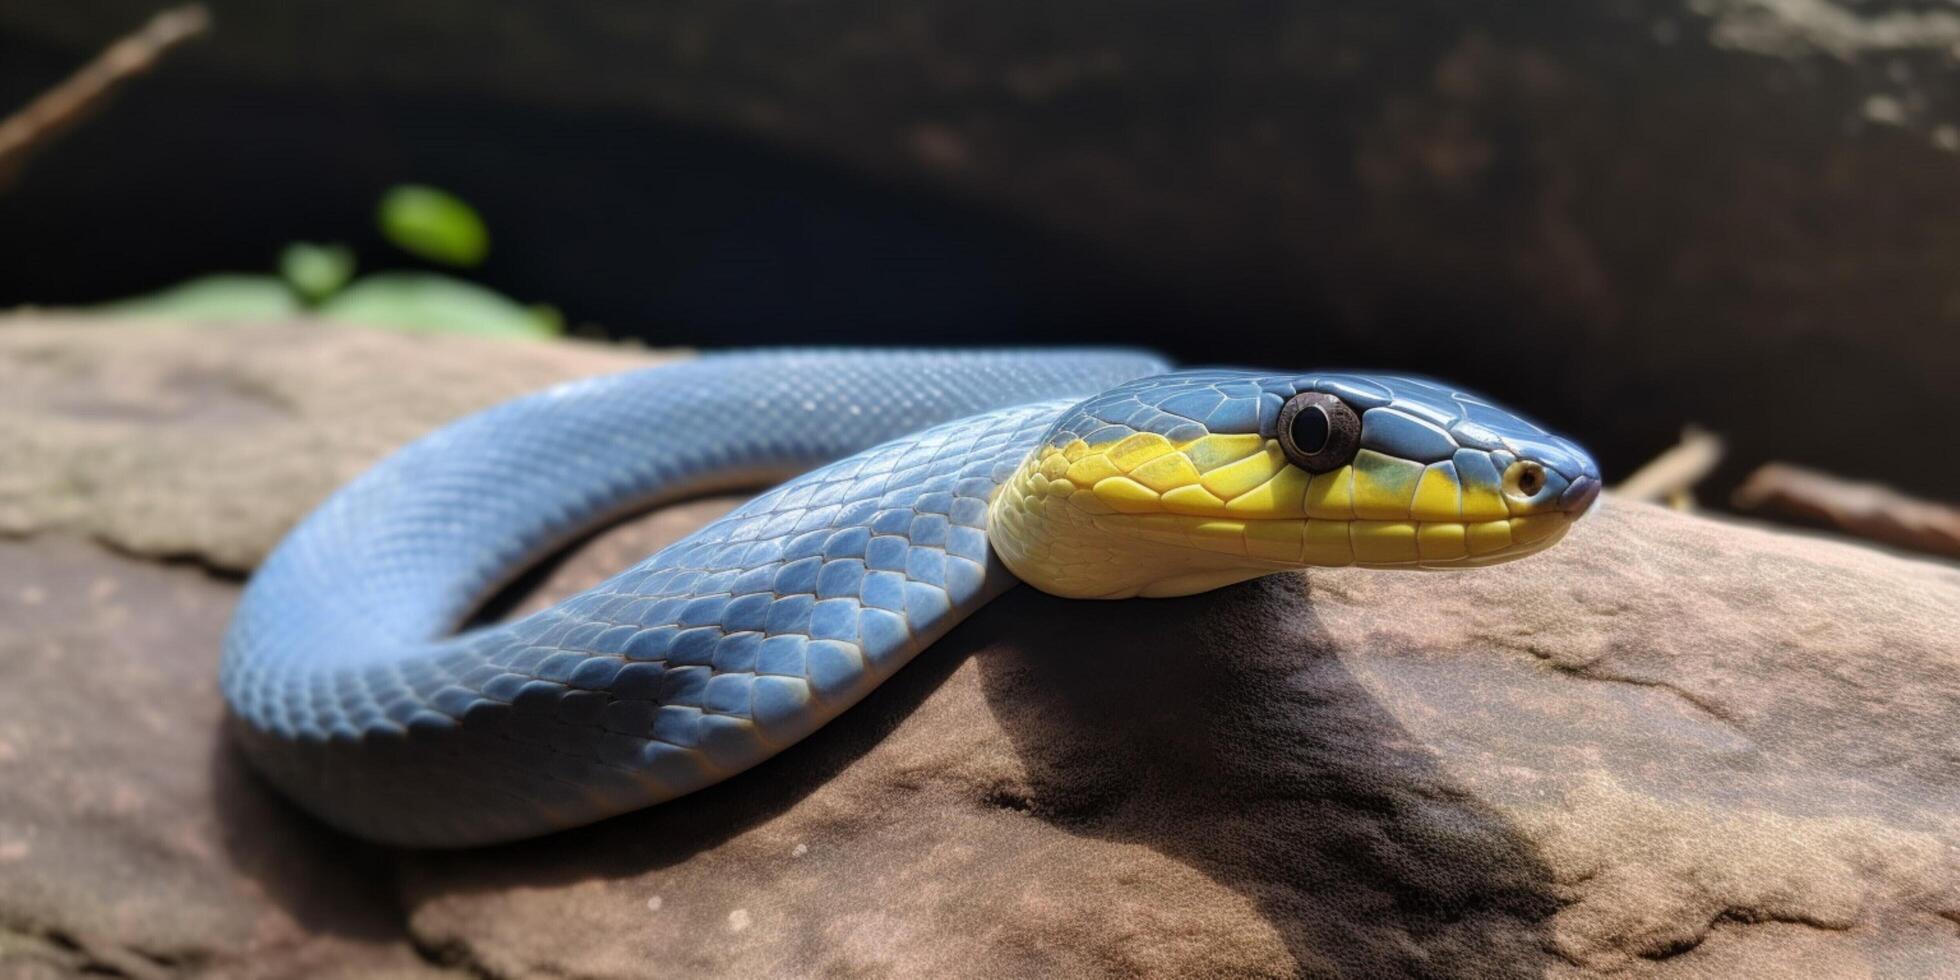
920 484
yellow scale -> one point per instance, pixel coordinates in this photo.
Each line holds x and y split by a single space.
1238 496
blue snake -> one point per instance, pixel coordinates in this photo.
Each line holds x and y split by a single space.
920 484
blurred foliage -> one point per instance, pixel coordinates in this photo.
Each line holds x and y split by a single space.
225 296
317 278
434 224
425 301
316 271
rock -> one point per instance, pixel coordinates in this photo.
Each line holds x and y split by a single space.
207 443
1669 747
132 839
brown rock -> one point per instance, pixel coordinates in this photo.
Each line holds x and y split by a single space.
132 839
207 442
1669 747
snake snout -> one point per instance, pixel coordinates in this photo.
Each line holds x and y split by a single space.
1579 497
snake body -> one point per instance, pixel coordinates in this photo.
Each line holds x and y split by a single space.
930 482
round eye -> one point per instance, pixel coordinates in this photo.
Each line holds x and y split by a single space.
1318 432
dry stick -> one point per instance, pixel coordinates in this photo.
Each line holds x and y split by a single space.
1673 473
87 89
1865 510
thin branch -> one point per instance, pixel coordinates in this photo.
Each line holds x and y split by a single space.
1672 474
89 88
1864 510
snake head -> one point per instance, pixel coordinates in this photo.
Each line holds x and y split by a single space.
1184 482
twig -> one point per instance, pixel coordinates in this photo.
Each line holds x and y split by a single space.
55 110
1673 473
1864 510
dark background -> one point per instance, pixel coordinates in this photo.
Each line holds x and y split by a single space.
1619 216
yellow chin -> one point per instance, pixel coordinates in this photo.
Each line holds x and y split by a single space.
1146 516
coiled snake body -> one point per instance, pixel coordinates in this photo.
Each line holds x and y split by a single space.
939 479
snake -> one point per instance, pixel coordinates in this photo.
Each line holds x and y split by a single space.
905 489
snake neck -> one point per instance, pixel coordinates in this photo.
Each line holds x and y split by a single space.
1065 549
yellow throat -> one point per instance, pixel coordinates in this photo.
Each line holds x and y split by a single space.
1146 516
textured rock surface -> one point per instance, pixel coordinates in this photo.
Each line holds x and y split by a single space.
132 840
200 442
1668 747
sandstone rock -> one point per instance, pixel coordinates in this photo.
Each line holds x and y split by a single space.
207 442
132 839
1669 747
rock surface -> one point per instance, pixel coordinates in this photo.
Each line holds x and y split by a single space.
203 442
1669 747
132 840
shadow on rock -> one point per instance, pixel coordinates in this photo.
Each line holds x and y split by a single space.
1222 731
330 883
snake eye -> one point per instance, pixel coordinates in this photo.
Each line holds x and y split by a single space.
1318 431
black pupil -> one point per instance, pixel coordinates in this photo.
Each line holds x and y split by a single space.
1528 481
1310 429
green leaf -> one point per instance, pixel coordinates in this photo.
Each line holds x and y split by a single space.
224 297
427 302
548 316
316 271
434 224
